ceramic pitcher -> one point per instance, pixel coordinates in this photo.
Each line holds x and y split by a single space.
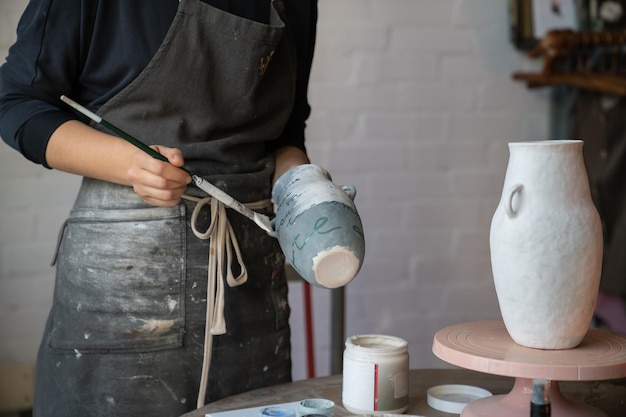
318 226
546 245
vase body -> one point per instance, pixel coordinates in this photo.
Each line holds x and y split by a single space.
546 245
318 226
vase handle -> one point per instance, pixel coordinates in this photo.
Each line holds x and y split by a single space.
508 203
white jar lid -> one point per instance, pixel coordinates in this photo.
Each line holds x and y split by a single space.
453 398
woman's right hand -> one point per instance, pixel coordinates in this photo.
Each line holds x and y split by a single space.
79 149
157 182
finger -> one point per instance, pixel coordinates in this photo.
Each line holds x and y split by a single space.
174 155
159 197
156 173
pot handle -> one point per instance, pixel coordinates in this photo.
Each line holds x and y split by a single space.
508 203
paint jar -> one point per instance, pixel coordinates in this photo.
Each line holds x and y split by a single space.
375 375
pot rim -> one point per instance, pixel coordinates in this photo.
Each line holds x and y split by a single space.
554 142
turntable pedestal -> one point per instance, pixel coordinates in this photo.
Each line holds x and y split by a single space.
486 346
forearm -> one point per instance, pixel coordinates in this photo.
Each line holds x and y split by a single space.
287 157
79 149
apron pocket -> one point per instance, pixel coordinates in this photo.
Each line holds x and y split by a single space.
120 281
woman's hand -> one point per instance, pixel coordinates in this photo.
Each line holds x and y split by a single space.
157 182
79 149
285 158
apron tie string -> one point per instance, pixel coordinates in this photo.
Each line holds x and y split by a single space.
222 242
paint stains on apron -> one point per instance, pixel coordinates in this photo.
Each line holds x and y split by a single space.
125 336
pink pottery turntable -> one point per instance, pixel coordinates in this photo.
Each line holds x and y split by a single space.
486 346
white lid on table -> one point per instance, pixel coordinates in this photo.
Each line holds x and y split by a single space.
453 398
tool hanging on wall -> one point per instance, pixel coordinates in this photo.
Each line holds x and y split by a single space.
593 60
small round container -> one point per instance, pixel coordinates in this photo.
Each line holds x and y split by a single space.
316 406
375 375
453 398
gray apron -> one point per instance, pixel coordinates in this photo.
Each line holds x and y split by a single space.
126 333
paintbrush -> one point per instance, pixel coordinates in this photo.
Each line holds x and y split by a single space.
260 219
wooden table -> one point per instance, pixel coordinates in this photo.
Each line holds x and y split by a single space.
608 396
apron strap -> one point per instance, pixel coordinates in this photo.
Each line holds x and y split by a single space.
222 243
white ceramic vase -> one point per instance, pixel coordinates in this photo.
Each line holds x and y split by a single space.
546 245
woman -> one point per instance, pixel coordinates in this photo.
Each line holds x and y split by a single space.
216 86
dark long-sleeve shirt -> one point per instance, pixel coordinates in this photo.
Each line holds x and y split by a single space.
90 50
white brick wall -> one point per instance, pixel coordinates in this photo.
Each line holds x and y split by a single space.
413 103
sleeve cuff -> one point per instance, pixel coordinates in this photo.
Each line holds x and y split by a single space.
33 136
